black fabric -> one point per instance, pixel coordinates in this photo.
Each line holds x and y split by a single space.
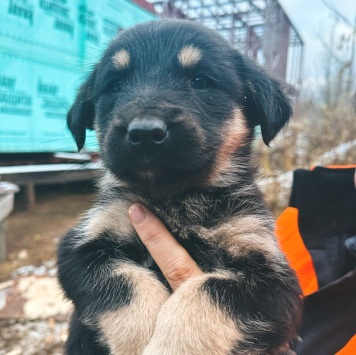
350 244
333 260
329 318
326 201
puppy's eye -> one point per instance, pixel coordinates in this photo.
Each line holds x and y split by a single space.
200 83
116 86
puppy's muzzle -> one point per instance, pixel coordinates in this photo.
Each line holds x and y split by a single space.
147 136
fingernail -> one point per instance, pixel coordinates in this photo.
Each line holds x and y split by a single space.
137 214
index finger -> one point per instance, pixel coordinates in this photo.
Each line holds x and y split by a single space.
174 261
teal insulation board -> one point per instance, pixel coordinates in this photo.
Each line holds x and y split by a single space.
47 47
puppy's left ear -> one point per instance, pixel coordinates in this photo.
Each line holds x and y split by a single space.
81 114
266 104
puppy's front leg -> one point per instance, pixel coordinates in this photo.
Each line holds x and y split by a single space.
127 329
246 312
116 301
191 323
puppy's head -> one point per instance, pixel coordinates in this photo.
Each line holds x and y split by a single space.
173 103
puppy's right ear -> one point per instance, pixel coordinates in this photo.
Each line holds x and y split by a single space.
81 114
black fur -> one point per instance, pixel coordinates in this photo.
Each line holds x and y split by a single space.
83 340
176 182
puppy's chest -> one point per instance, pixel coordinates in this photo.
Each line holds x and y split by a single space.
189 217
194 234
192 220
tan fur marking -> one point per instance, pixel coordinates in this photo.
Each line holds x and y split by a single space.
234 133
189 323
112 217
244 234
129 329
233 136
189 56
109 180
121 59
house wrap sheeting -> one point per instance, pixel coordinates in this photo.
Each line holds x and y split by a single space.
46 49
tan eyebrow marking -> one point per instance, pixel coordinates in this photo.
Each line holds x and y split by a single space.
189 56
121 59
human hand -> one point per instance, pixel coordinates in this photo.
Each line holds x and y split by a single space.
174 261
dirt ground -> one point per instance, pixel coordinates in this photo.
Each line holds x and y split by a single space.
32 238
32 235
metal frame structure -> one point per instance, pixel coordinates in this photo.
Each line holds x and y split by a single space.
258 28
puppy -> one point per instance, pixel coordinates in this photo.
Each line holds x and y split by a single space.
174 107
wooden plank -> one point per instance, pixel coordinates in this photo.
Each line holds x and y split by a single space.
24 169
31 175
50 173
30 195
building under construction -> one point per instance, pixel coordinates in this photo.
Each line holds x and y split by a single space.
259 28
45 50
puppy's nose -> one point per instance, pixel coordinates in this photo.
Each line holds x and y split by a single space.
146 136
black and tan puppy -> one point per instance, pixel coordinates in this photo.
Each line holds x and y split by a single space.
174 107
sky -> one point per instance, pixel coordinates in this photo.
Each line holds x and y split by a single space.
313 21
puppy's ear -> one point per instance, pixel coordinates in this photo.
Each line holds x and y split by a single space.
265 102
81 114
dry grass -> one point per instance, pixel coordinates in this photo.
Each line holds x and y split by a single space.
318 135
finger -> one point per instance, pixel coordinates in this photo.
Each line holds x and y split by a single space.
174 261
